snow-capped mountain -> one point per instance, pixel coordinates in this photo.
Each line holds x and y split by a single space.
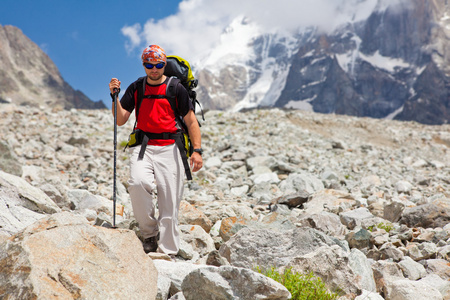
391 63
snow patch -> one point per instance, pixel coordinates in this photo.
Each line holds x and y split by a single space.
420 70
233 47
301 104
392 115
347 61
383 62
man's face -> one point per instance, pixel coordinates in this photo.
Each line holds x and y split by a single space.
154 70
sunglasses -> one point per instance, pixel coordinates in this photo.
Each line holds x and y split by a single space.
158 65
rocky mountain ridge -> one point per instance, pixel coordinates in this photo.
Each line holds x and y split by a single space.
29 77
360 202
394 64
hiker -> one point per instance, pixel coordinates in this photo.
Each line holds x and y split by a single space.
161 165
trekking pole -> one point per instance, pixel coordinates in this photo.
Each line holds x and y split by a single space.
116 91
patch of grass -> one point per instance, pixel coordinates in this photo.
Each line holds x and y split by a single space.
123 144
301 286
386 226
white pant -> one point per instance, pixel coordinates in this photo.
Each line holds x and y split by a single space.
161 168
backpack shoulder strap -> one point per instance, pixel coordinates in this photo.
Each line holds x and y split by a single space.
171 92
140 94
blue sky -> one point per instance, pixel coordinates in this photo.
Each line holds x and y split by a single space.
84 39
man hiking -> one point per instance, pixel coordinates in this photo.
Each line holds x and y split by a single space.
160 164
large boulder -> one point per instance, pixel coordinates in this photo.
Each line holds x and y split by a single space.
333 265
64 257
21 204
430 215
30 197
252 247
8 160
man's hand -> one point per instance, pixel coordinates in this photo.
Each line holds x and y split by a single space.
196 162
114 84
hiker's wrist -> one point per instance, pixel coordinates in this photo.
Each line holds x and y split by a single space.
115 92
198 150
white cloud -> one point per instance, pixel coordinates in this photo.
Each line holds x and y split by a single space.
134 36
198 24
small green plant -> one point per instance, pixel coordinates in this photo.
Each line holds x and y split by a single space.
301 287
386 226
123 144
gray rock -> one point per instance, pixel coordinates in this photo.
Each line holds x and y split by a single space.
201 242
326 222
422 251
333 201
299 183
444 252
265 178
360 239
259 247
293 200
14 217
385 273
215 259
213 162
439 267
258 161
9 162
331 263
403 186
413 290
31 197
390 252
357 217
82 199
443 286
229 282
172 275
361 266
393 210
178 296
411 269
367 295
434 214
55 194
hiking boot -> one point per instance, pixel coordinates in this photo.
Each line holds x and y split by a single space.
150 244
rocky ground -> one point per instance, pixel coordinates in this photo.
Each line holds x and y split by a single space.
363 203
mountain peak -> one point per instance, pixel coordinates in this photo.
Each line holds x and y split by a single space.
29 77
